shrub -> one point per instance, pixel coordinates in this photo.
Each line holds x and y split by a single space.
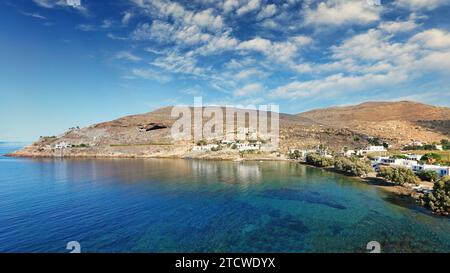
353 166
438 200
201 142
398 176
295 155
428 175
319 161
431 158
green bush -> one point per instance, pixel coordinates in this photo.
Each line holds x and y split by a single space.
428 175
438 200
398 176
319 161
431 158
295 155
353 166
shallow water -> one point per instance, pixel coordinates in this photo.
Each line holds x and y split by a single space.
164 205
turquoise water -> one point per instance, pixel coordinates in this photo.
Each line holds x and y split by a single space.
163 205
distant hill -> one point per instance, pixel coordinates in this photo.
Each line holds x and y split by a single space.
149 134
378 111
396 121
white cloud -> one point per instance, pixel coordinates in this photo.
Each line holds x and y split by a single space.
340 12
229 5
252 5
126 55
374 59
280 51
433 39
34 15
106 23
179 63
336 85
267 11
127 15
398 26
218 43
150 74
86 27
50 4
421 4
249 73
249 90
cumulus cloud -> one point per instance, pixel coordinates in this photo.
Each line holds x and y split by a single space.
281 51
398 26
249 90
50 4
372 60
433 39
252 5
421 4
340 12
149 74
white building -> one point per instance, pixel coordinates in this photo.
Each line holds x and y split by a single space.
62 145
208 147
249 146
228 142
440 170
349 153
301 152
371 149
414 157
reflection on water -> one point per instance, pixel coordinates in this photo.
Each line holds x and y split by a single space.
164 205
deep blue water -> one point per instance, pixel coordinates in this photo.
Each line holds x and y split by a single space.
162 205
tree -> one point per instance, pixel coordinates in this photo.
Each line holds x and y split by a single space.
439 199
431 158
428 175
445 144
399 176
319 161
201 142
295 155
353 166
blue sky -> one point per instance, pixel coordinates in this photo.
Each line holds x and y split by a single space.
64 64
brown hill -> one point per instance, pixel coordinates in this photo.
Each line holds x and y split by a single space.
398 122
149 134
378 111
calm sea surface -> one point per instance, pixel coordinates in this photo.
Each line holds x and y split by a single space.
162 205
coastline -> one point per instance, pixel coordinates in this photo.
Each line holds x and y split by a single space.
400 193
377 182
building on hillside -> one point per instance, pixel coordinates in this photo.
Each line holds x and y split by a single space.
416 142
414 157
302 152
349 153
227 142
371 149
249 146
440 170
208 147
62 145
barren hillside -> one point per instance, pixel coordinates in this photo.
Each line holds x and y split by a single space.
149 134
396 122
